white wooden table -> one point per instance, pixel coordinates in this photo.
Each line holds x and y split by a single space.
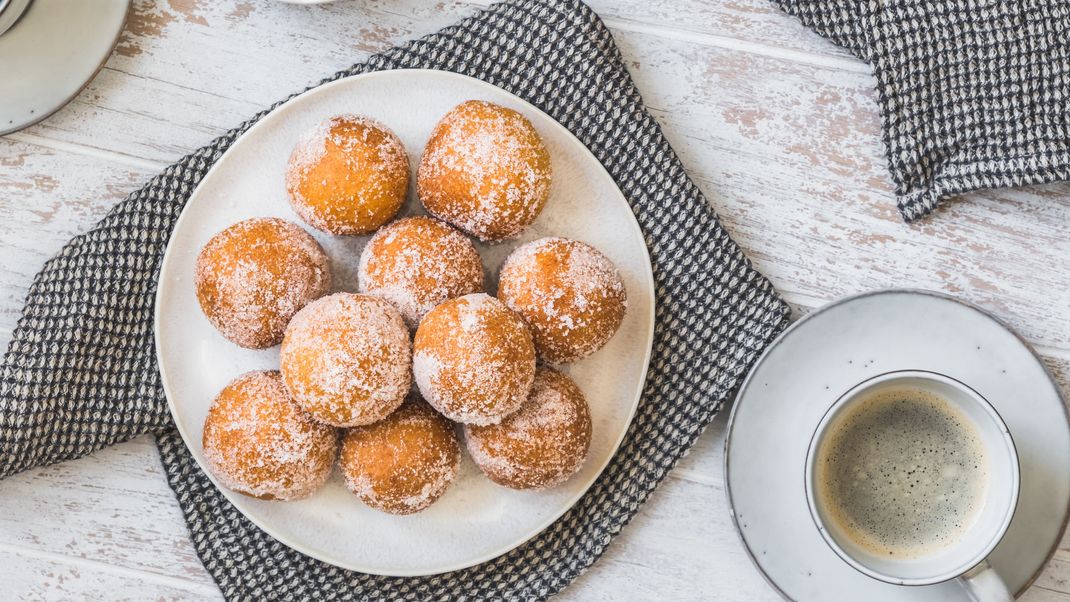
778 127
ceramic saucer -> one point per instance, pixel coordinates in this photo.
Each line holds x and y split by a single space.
825 354
10 12
50 53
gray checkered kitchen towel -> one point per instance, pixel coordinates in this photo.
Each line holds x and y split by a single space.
81 374
973 94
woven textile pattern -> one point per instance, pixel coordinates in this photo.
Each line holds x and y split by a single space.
80 373
973 94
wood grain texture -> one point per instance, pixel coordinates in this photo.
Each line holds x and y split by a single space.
46 197
46 577
778 127
757 25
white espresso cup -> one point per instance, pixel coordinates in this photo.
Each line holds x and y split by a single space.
962 552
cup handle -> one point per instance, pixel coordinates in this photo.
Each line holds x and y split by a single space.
984 585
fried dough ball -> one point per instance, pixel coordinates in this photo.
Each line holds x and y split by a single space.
485 170
570 294
252 277
540 445
403 463
256 441
417 263
348 175
473 359
346 359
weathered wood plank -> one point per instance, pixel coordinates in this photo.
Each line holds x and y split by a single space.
46 578
752 21
1040 594
185 72
46 197
207 61
114 506
681 546
1056 576
757 25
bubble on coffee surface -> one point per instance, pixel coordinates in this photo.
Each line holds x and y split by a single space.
903 473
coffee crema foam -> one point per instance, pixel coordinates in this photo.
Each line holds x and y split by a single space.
902 473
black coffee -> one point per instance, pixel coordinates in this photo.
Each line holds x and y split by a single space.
902 473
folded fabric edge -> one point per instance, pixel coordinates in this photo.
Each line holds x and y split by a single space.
956 180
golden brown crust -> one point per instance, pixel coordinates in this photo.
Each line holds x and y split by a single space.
485 170
417 263
473 359
347 359
256 440
571 296
349 175
540 445
252 277
403 463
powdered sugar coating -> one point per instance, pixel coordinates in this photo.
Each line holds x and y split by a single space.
540 445
403 463
474 359
417 263
571 295
347 360
252 277
348 175
485 170
257 441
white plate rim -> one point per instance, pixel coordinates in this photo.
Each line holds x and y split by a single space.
832 305
565 506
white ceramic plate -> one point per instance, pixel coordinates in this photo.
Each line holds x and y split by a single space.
830 351
475 520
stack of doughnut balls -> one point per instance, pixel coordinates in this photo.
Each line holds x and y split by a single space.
344 389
